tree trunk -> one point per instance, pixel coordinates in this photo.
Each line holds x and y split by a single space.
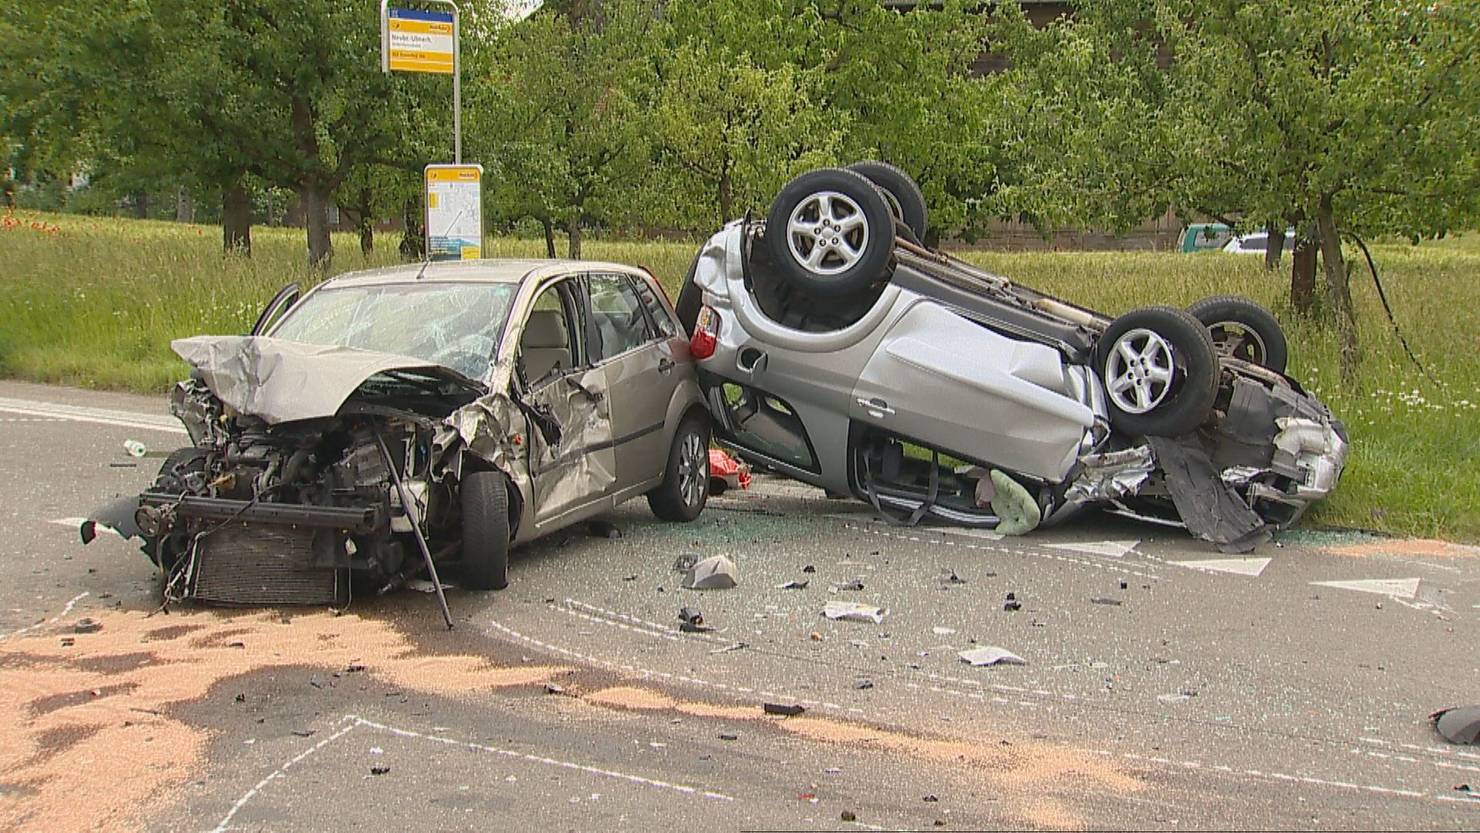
575 239
141 205
313 200
236 220
413 236
366 224
1275 246
726 196
549 238
1337 287
1303 276
184 206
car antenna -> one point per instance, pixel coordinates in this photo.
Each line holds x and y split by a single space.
428 262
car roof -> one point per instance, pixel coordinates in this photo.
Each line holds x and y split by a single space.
500 270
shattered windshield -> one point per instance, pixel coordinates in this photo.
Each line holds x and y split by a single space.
456 325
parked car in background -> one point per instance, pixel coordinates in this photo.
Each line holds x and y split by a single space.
1204 237
397 418
1256 243
837 350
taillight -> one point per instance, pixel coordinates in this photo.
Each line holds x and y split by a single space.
706 334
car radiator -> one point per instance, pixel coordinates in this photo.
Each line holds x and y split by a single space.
257 564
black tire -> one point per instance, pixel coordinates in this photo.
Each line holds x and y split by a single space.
485 530
906 200
1145 405
851 259
1244 330
684 490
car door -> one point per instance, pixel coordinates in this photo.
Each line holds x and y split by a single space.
639 354
941 380
572 457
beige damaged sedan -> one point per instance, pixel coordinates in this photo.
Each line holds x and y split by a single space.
395 419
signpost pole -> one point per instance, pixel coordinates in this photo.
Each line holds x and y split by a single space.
456 84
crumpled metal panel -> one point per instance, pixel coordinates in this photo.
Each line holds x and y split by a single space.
284 381
1311 453
1210 509
1111 475
582 464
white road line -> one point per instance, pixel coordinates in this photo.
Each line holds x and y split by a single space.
101 416
644 623
1430 750
541 759
282 771
52 621
1275 776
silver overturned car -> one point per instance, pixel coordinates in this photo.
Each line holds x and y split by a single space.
397 419
836 349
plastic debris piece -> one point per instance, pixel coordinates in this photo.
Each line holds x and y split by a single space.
848 815
991 655
930 798
855 584
793 585
951 578
87 625
726 472
1461 725
854 612
728 736
713 573
809 569
942 631
135 448
783 709
379 770
863 683
691 620
551 688
685 562
1014 506
1101 600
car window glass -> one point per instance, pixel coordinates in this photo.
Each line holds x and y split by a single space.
656 311
620 320
546 348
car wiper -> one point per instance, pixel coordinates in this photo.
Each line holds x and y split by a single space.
429 383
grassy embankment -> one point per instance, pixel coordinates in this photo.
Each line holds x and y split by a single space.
96 303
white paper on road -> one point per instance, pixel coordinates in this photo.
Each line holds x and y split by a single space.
991 655
854 612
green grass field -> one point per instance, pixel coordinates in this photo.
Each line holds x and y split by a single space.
96 303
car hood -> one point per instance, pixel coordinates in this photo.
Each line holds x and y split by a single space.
284 381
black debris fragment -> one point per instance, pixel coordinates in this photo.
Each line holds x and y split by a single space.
551 688
632 577
1011 603
930 798
728 736
794 585
379 770
809 569
855 584
863 683
849 815
241 698
685 562
1124 586
305 733
691 621
784 709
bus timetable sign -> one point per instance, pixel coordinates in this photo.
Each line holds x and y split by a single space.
419 41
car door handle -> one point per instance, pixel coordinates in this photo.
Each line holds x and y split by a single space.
666 365
876 406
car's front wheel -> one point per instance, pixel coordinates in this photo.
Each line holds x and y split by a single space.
1160 371
485 530
685 487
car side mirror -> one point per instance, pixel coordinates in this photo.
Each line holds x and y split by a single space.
285 298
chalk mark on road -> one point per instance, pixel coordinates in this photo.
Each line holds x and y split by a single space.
101 416
52 621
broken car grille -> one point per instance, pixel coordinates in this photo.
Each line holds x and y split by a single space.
265 565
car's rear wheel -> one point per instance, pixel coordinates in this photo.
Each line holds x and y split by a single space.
906 200
830 233
1160 371
1242 329
685 487
485 530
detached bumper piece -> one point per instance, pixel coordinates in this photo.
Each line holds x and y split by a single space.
267 565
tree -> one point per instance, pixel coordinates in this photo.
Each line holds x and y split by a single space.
556 119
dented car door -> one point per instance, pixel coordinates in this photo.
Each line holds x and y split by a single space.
571 456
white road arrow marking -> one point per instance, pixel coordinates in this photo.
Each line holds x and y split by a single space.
1237 566
1400 588
1112 549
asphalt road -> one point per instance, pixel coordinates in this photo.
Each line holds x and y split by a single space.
1166 686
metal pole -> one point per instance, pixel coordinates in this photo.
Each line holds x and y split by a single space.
408 505
456 85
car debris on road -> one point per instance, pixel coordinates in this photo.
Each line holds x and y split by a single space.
990 655
717 572
854 612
